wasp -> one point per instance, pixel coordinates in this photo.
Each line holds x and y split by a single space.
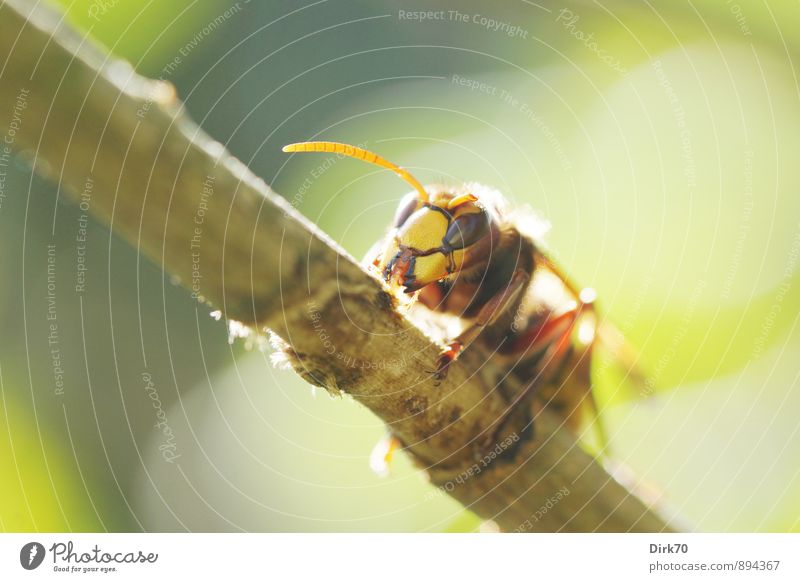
463 252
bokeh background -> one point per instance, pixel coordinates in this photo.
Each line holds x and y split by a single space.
661 141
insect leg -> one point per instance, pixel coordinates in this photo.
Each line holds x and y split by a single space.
544 261
559 347
380 459
487 315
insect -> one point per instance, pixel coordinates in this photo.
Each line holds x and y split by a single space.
463 252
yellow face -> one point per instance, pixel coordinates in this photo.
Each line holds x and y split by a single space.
435 234
431 239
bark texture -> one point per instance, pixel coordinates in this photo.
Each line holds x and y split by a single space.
89 117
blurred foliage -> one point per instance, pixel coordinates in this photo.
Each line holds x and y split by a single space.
39 490
692 248
149 34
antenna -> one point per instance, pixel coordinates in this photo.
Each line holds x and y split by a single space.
333 147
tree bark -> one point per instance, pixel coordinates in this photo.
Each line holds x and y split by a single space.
88 121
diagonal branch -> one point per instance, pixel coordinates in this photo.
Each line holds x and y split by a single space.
166 187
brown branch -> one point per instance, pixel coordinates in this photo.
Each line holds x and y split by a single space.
181 199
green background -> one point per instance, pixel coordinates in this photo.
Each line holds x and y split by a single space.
671 187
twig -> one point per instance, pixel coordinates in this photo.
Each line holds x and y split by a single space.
166 187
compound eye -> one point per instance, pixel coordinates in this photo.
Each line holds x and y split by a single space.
467 229
408 205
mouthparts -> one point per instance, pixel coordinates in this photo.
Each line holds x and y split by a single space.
400 271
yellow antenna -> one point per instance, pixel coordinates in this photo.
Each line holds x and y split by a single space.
459 200
333 147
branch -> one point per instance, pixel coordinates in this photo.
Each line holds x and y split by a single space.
89 122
